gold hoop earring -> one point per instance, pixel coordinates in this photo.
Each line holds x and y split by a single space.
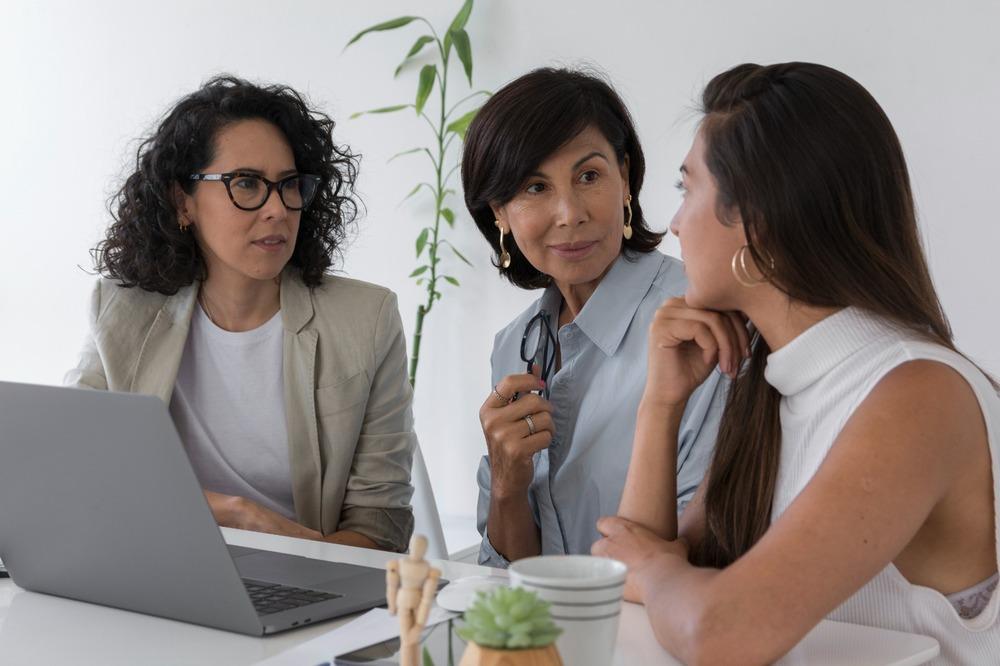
742 273
504 255
627 231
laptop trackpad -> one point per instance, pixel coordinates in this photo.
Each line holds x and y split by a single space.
293 570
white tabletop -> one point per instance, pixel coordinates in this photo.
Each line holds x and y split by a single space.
40 629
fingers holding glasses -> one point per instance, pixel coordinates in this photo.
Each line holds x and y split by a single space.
515 430
503 400
510 387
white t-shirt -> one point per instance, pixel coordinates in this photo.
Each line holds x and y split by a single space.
229 408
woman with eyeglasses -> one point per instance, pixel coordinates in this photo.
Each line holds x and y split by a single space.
856 471
552 172
287 385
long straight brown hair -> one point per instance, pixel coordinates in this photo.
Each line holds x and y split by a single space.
811 163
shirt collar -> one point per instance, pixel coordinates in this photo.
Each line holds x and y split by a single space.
608 313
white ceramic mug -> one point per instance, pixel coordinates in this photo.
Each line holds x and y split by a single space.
586 597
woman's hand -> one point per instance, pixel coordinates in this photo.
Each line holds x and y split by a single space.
244 514
510 439
646 555
685 345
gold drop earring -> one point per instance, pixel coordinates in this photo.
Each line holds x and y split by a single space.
627 231
504 255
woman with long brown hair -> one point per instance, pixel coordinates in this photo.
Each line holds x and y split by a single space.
855 471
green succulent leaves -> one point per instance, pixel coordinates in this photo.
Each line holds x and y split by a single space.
509 618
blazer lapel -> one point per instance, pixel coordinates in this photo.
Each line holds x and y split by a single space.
163 347
300 400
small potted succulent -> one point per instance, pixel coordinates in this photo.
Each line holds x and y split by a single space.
509 627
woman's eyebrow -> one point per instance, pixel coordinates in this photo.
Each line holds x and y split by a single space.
282 174
596 153
583 159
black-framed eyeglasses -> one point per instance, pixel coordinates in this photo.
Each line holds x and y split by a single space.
250 191
538 347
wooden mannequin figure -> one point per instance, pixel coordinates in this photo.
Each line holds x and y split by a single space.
411 585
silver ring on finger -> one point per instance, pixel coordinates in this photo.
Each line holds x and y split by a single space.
502 399
531 424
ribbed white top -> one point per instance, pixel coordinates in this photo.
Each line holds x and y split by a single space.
823 375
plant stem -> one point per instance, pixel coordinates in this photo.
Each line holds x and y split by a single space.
432 248
415 356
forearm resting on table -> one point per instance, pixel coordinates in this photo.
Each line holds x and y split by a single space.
511 527
650 495
349 538
693 617
342 537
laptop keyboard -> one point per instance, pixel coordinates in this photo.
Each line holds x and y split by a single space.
272 598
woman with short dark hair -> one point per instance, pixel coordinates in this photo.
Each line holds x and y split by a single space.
552 172
288 386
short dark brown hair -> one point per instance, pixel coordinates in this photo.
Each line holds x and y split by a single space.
520 126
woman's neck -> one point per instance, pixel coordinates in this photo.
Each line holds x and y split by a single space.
575 296
236 304
780 320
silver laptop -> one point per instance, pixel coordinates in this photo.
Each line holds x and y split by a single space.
98 502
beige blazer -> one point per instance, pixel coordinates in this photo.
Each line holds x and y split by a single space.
348 400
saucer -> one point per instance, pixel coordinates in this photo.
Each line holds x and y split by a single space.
459 594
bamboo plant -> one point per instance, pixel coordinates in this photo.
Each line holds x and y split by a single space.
448 123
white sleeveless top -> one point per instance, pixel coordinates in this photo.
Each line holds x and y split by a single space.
823 375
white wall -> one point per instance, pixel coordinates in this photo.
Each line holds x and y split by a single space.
82 80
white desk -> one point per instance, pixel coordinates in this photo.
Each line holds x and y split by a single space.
40 629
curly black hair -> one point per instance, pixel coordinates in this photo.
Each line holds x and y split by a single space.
144 246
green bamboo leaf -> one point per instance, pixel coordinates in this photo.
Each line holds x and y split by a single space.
384 109
419 271
460 125
464 50
405 152
417 189
427 74
451 280
460 255
462 17
387 25
449 215
422 241
421 42
427 658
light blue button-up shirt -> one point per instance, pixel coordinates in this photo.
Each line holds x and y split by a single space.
595 394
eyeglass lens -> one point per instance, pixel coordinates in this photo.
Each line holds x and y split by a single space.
251 191
538 347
